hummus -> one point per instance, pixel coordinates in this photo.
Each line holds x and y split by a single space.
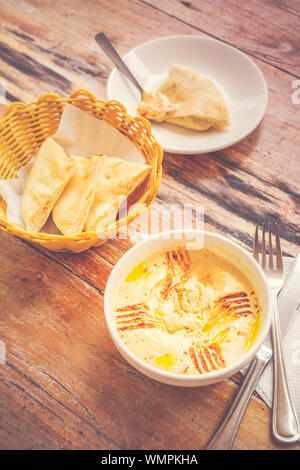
187 311
186 99
156 106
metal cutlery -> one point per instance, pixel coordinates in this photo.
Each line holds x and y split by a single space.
224 437
105 44
284 431
285 424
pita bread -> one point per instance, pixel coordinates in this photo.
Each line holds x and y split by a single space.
71 209
116 180
50 173
186 99
198 103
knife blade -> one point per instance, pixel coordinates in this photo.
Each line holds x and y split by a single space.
288 303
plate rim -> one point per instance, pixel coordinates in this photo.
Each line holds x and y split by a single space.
265 93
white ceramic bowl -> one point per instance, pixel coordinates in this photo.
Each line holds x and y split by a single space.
191 239
239 79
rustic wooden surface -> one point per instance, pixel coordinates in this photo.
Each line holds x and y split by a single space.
64 384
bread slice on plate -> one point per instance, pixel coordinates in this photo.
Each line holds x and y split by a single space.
198 104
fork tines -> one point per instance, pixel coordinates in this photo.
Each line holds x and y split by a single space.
264 251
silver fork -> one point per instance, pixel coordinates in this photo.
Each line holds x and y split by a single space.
285 424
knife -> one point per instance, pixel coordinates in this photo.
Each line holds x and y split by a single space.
288 304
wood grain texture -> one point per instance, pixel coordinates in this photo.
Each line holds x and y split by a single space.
64 384
265 31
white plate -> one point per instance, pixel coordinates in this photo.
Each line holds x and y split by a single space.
240 81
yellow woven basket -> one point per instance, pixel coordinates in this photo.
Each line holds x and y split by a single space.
23 129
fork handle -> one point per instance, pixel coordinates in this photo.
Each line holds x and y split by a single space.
224 437
285 425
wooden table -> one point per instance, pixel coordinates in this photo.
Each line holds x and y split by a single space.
64 384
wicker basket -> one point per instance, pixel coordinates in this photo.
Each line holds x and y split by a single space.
23 129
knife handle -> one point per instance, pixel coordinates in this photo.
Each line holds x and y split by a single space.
285 425
224 437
